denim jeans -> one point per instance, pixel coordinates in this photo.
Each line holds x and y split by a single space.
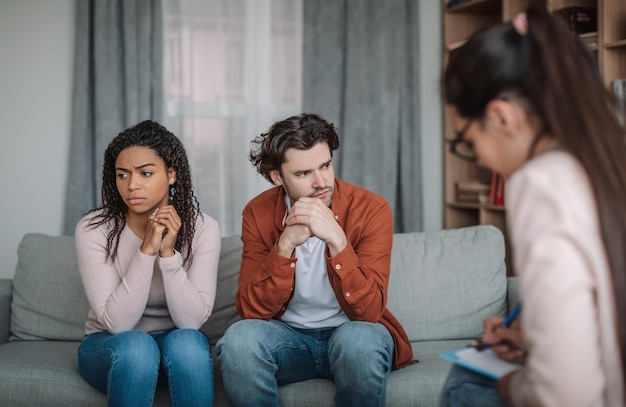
128 365
256 356
465 388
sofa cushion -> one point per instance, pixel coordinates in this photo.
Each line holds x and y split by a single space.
48 297
49 301
6 292
224 311
45 373
415 385
38 373
444 283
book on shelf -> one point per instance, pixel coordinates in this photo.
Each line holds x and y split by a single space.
473 191
500 191
496 193
590 39
618 86
581 19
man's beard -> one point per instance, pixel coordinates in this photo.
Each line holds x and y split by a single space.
328 200
320 190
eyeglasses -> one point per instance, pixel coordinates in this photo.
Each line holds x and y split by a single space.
462 148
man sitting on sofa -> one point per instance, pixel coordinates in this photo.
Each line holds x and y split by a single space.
313 280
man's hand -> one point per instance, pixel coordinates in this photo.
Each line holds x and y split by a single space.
320 221
292 237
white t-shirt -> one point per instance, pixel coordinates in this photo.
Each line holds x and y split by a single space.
313 304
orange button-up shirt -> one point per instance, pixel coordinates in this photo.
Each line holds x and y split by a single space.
359 274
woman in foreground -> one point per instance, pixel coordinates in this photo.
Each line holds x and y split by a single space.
528 103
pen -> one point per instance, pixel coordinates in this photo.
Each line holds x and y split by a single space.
479 345
512 316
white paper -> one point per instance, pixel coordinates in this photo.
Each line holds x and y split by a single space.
486 361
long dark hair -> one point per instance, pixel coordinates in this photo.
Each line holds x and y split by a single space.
171 150
302 132
557 78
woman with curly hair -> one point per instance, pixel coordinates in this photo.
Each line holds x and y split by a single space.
148 262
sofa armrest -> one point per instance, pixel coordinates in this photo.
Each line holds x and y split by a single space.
6 290
512 292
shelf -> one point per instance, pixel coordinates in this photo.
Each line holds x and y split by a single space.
476 205
616 44
608 46
476 6
462 20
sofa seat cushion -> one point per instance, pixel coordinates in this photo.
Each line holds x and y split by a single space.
443 284
36 373
45 373
419 384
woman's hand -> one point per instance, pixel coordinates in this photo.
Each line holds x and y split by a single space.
168 218
161 232
507 343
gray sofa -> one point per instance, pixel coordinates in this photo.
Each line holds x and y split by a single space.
442 285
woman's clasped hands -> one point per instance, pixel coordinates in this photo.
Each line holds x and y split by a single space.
161 232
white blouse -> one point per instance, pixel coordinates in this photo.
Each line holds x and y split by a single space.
569 313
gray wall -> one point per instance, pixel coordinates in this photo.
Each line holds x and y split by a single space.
36 52
36 56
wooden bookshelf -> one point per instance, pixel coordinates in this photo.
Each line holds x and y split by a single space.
459 22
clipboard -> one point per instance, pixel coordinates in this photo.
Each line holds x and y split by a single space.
484 362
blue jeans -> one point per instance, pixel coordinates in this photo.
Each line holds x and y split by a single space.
465 388
126 366
256 356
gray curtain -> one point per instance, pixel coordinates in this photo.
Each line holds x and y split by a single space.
117 83
361 72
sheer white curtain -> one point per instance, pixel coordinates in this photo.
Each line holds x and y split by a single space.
231 69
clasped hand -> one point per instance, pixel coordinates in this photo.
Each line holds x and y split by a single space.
161 232
311 217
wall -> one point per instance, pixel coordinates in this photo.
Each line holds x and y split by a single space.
36 48
37 45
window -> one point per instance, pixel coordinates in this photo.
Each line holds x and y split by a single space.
231 69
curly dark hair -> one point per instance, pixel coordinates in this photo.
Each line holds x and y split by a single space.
171 150
302 132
